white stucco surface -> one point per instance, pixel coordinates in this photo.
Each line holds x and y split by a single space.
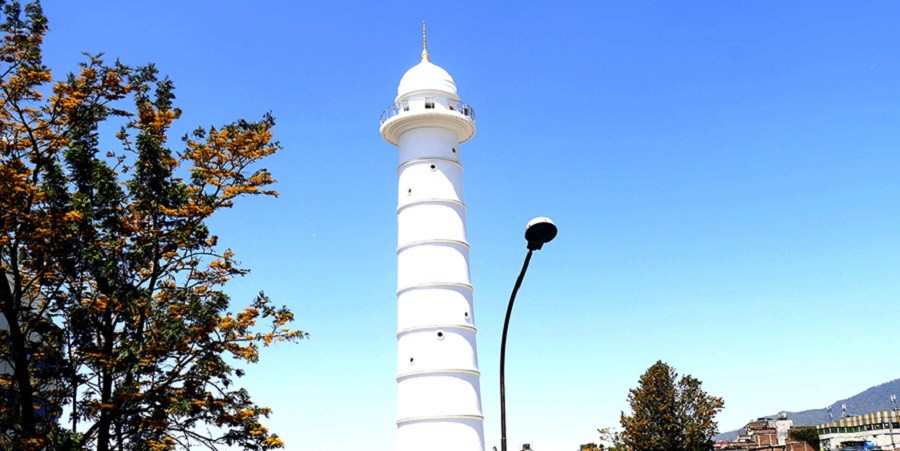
438 388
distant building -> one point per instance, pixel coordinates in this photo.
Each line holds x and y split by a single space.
765 434
872 431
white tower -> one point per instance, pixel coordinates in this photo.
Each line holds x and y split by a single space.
438 393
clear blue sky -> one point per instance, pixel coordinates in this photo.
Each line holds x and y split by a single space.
725 176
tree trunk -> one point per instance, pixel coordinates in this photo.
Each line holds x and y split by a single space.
11 306
105 421
24 391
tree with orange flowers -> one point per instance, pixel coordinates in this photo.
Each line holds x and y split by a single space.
111 283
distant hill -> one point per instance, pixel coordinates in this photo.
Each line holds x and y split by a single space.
870 400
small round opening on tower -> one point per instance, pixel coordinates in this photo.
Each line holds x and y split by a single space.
440 335
453 150
411 360
433 167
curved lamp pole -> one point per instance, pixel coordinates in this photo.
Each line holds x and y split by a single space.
537 232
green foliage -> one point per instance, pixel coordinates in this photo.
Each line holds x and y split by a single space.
610 440
110 279
669 414
810 435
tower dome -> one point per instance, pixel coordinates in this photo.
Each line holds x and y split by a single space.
426 77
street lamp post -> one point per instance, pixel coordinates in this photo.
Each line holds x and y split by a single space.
537 232
891 417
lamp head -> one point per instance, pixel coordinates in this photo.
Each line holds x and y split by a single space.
539 231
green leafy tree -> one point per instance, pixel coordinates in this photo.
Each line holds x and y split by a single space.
669 414
111 283
610 440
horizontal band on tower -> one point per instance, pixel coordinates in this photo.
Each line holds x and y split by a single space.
433 200
426 160
434 241
464 286
436 326
402 376
439 417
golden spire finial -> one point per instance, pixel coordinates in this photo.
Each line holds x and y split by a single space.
424 44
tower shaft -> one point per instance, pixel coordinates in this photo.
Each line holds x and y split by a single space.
438 392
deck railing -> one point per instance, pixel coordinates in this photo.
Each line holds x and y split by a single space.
427 102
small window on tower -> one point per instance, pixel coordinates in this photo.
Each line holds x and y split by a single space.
429 105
